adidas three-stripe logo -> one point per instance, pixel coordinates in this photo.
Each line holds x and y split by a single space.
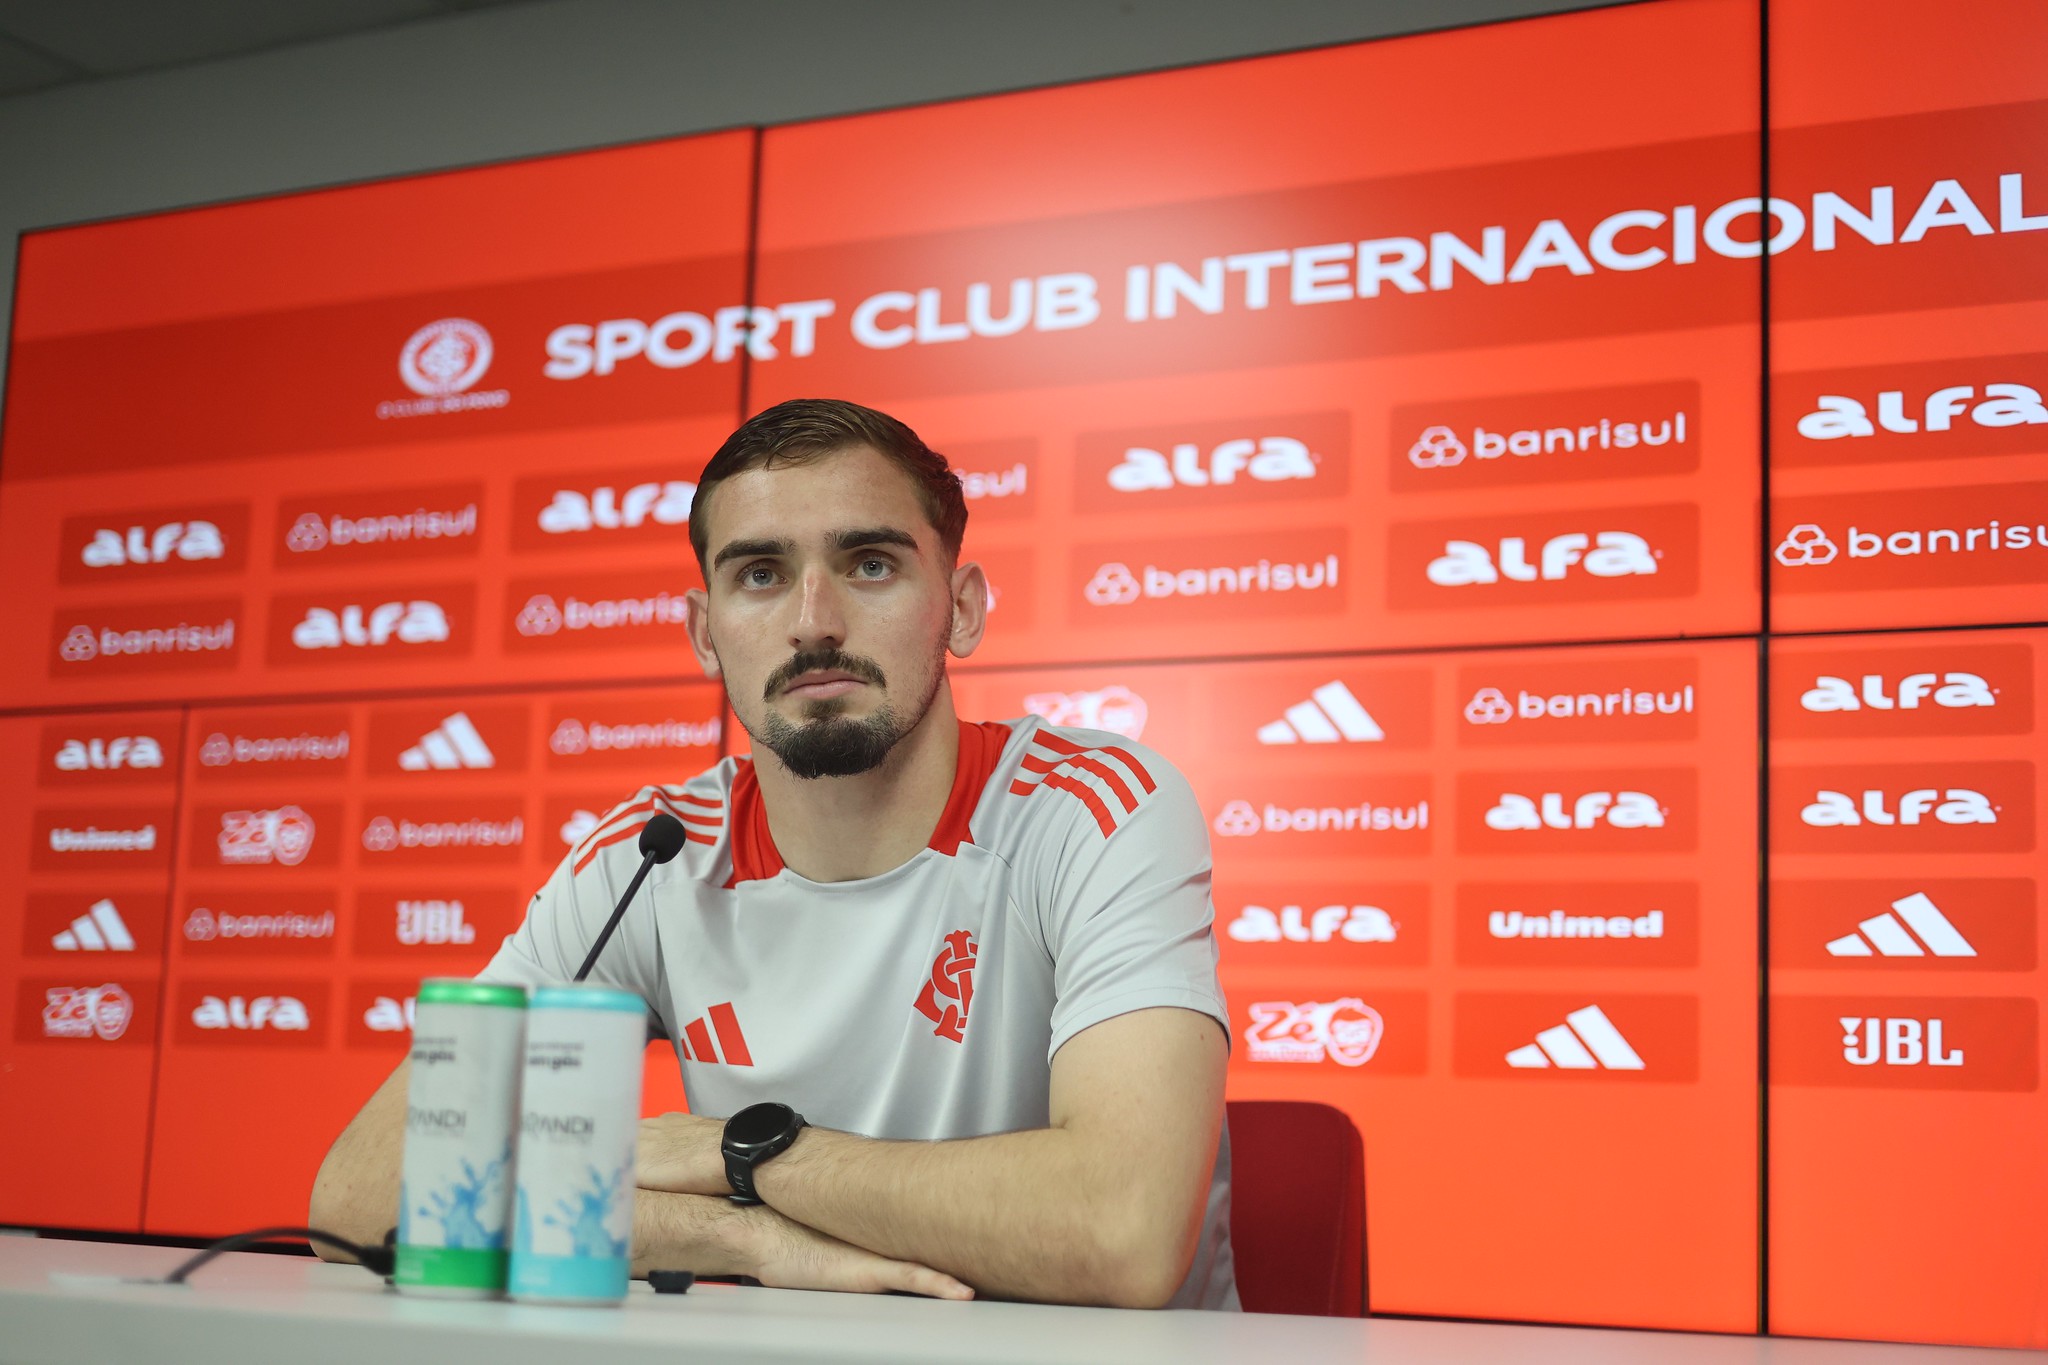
732 1044
98 930
1330 716
1586 1041
1889 937
454 743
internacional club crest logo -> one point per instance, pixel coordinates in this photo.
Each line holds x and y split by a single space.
949 990
445 357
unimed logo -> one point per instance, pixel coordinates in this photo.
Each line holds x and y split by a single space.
1894 1042
1964 408
1613 553
1904 807
1586 923
1953 536
1627 431
1607 810
1273 574
101 838
1955 687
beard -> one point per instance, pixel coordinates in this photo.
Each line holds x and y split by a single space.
828 743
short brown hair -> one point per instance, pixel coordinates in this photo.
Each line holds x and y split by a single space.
806 429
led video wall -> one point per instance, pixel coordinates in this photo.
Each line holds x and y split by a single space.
1620 770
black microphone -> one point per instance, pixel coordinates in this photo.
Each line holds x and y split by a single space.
660 840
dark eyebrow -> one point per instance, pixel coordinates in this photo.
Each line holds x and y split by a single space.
873 535
743 549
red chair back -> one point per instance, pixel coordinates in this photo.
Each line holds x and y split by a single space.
1297 1208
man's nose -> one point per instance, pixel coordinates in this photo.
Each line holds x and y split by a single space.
820 616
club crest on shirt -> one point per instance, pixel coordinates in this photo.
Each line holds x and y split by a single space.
949 990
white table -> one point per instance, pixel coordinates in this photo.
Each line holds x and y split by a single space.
64 1301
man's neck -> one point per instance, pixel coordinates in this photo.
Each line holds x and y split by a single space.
840 829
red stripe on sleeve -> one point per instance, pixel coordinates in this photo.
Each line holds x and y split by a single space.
1088 797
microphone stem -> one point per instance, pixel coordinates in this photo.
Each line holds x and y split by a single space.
618 914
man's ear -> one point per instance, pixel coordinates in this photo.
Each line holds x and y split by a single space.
697 620
971 602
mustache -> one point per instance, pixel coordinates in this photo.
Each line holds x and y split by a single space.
814 660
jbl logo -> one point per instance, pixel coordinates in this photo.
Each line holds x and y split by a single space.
1896 1042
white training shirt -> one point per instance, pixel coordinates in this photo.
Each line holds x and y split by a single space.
1067 883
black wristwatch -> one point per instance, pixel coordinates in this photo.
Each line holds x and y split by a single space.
756 1133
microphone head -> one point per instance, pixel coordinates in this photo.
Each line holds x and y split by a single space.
661 838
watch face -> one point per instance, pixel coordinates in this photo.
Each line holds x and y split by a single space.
758 1123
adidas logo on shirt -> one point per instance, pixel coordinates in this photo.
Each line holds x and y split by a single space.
454 743
98 930
1586 1041
1330 716
1884 935
695 1039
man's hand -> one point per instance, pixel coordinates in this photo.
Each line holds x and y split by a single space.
788 1255
682 1153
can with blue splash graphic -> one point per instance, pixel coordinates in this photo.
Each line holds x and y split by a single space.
579 1126
461 1114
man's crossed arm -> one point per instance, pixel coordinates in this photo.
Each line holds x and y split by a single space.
1105 1206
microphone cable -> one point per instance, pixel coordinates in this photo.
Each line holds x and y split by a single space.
377 1259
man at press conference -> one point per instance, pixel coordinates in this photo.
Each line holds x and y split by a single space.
952 984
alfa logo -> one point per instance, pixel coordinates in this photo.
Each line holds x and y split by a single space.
664 504
1489 706
188 540
1955 806
1606 554
2003 405
1436 448
1954 690
410 623
1114 585
1237 820
1267 460
540 616
1805 544
380 835
1354 923
284 1013
951 981
79 645
445 357
1621 810
122 751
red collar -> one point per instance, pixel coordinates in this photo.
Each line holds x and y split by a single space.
755 857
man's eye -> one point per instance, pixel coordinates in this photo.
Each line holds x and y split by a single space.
756 576
876 567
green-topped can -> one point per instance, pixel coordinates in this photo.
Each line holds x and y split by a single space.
461 1118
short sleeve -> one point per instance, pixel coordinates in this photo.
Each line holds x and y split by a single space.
1126 912
563 919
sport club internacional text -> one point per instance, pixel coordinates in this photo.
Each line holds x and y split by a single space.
1627 241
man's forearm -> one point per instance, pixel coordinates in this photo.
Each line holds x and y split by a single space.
1026 1215
695 1232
